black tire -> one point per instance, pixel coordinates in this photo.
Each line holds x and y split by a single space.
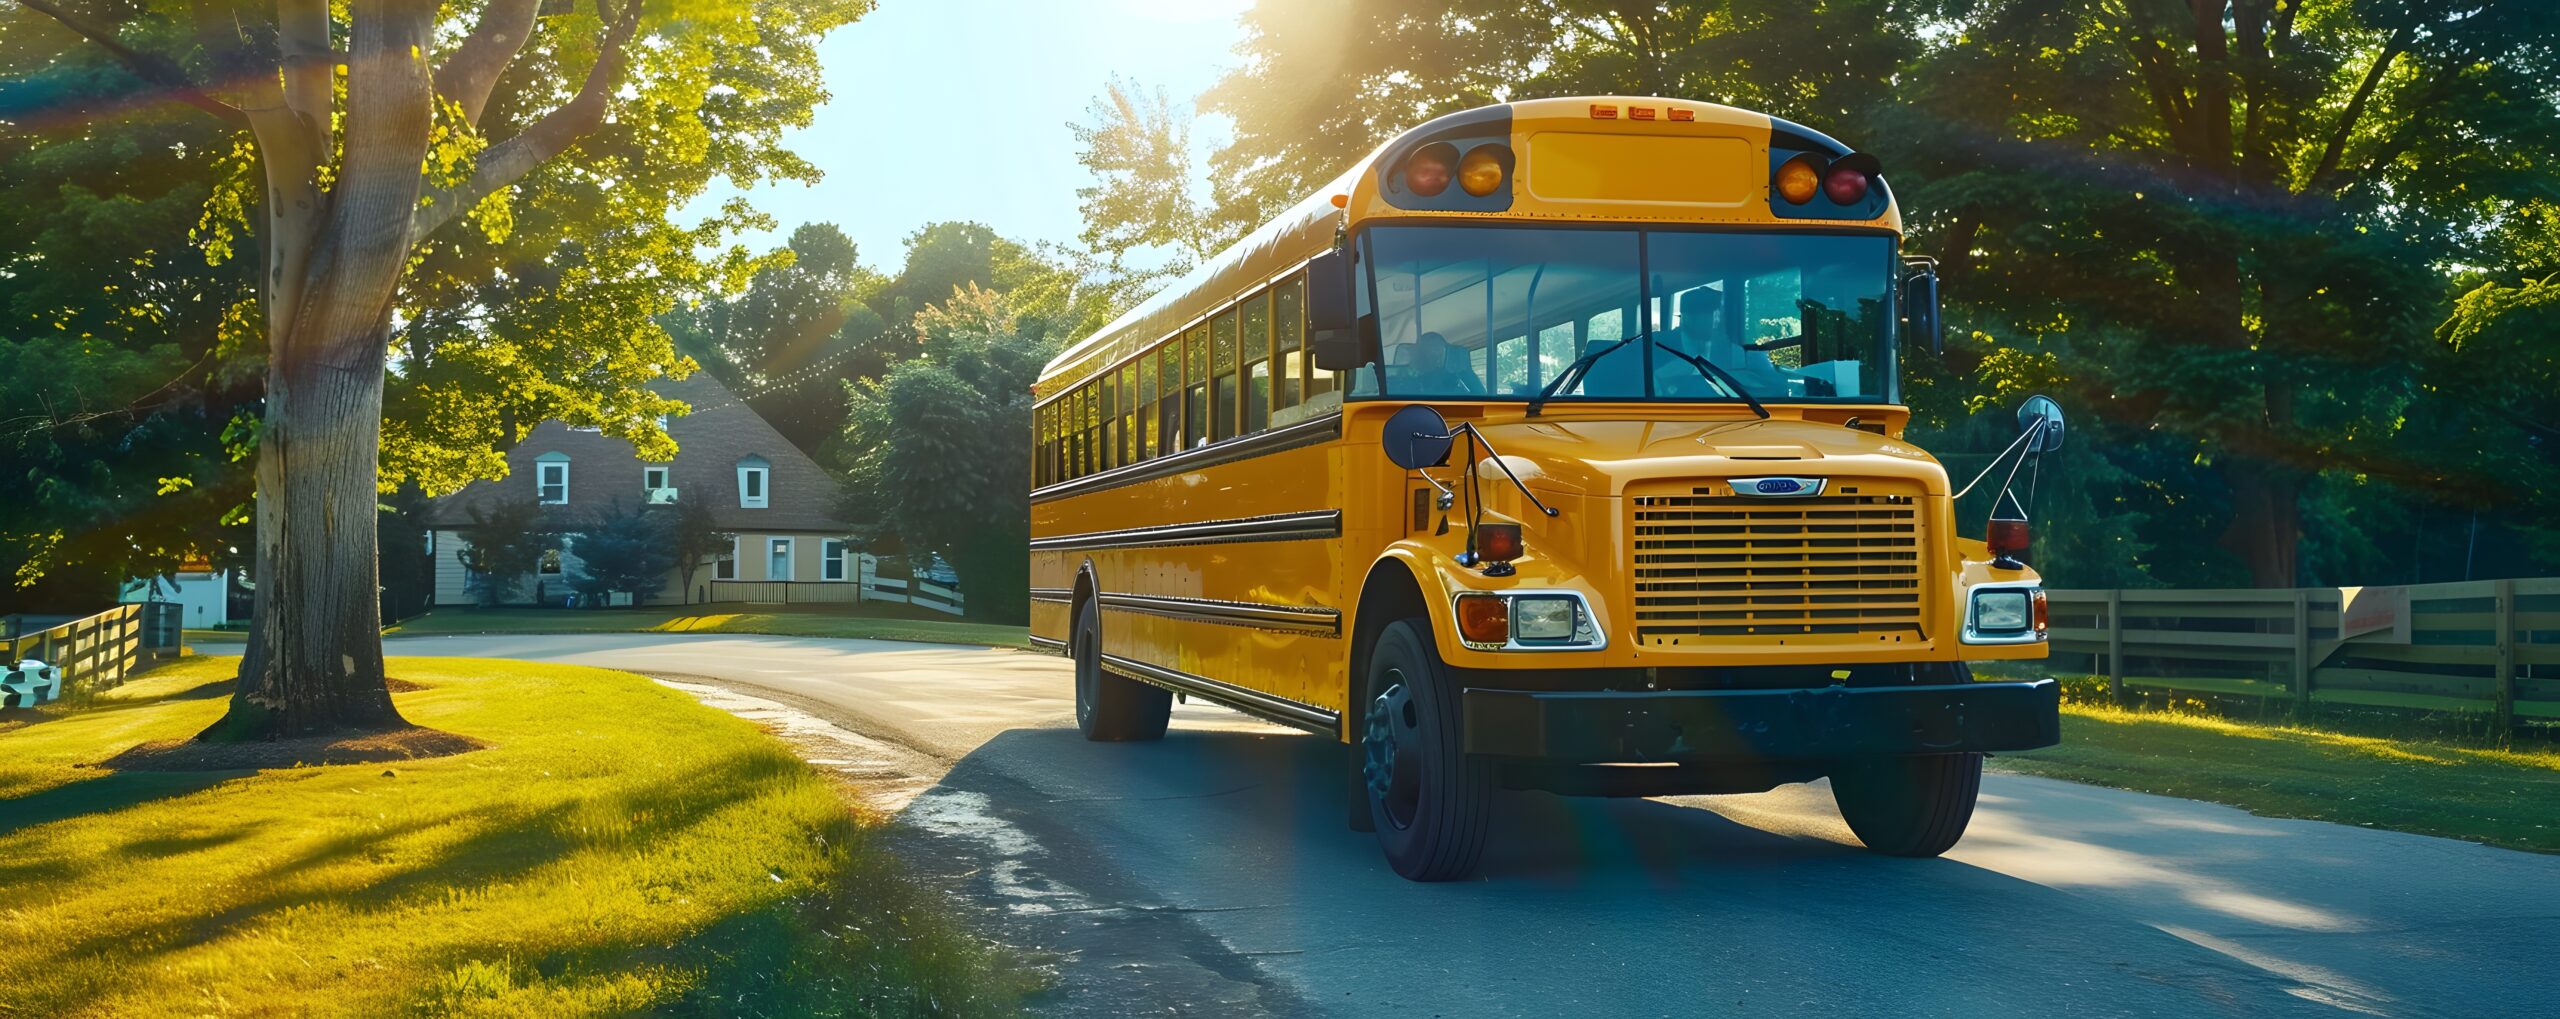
1430 801
1908 806
1111 708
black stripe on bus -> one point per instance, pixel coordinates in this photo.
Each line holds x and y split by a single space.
1276 527
1261 705
1260 615
1048 645
1278 440
1052 594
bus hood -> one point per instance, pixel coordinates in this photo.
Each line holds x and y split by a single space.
1602 457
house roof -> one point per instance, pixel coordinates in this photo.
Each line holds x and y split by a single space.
721 432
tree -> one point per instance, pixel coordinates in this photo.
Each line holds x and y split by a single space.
2215 219
696 538
357 187
119 404
624 551
1139 152
799 325
501 546
936 450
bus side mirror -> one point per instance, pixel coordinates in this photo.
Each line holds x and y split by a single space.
1333 314
1416 437
2040 411
1920 323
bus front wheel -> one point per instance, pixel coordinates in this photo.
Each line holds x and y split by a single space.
1111 708
1430 801
1908 806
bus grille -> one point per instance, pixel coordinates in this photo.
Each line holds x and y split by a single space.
1710 565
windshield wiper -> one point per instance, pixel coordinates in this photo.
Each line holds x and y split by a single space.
1574 371
1708 370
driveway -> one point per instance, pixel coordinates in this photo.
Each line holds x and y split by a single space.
1211 873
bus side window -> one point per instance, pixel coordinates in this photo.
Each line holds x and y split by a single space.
1091 426
1288 340
1255 348
1109 433
1195 394
1040 447
1169 408
1125 445
1144 410
1223 411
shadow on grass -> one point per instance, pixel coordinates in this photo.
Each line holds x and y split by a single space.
108 792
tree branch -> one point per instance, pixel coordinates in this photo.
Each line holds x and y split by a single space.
508 161
471 73
152 69
2319 179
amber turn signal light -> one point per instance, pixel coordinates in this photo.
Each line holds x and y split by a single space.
1484 618
1483 169
1798 179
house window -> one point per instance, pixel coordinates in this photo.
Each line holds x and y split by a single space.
654 489
653 477
725 567
777 559
834 563
550 562
551 479
754 483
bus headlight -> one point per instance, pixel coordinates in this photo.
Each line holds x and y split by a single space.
1527 621
1545 617
2005 614
2000 611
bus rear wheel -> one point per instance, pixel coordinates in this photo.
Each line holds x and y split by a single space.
1908 806
1429 800
1111 708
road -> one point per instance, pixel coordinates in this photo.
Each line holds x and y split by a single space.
1211 874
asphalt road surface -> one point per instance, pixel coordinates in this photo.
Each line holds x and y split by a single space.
1211 874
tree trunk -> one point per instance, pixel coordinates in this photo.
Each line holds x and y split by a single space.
2266 522
314 661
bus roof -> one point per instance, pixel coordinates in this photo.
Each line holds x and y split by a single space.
1666 160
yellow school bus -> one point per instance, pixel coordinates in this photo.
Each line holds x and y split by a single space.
1556 445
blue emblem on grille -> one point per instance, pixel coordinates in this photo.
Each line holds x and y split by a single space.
1777 486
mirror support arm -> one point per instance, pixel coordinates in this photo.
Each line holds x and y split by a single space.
1468 429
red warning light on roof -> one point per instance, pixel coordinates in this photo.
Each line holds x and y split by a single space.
1600 112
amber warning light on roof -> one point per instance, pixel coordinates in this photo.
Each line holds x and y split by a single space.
1609 111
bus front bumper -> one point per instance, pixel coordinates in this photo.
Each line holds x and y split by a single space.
1824 722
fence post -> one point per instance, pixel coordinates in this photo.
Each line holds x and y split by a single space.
2505 691
2115 645
2302 650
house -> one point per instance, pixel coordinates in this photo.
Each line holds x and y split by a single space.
782 507
203 594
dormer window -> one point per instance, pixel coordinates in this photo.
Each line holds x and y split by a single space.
551 479
755 480
654 489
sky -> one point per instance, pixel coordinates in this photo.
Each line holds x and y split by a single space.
958 109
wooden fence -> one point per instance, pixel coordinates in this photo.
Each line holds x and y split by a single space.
920 593
99 652
2490 646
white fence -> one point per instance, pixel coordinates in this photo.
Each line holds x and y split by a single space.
871 587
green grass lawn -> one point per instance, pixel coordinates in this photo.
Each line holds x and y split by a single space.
2470 789
616 848
875 622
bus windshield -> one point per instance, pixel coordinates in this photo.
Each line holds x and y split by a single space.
1499 312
